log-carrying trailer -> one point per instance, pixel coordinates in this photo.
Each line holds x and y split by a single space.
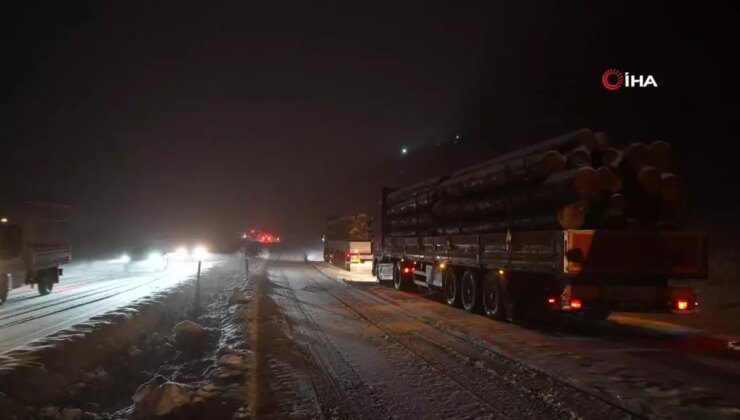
512 273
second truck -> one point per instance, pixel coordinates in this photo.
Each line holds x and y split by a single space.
571 224
34 244
347 241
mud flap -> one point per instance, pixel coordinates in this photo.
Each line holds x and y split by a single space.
385 271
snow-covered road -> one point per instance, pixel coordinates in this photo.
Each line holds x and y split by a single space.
368 351
84 291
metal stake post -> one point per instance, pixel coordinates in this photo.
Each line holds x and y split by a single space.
197 290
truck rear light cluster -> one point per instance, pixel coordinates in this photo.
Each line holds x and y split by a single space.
567 299
682 304
408 270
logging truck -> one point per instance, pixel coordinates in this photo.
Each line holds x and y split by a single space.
570 224
34 244
347 241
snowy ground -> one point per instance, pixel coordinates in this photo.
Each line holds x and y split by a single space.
369 351
312 340
85 290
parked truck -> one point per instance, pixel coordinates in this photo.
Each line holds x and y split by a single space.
347 241
570 224
34 244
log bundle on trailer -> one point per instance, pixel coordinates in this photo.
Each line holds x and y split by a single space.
574 181
349 228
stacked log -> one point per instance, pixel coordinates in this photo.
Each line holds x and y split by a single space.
349 228
575 181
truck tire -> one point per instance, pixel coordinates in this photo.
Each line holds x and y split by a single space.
399 282
44 282
44 286
4 287
493 297
451 288
470 291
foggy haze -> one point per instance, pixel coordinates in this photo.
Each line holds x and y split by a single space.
168 124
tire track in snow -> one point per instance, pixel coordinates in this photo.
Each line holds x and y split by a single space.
474 359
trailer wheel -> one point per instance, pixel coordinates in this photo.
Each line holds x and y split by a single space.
398 281
493 297
4 288
451 287
44 283
44 286
470 292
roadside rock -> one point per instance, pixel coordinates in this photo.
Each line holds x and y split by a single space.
71 413
232 361
134 351
154 339
188 333
91 406
75 390
88 377
50 412
237 298
230 369
229 350
101 374
159 397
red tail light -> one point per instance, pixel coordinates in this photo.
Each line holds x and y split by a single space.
406 270
552 300
682 304
575 303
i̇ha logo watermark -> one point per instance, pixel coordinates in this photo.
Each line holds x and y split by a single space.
613 79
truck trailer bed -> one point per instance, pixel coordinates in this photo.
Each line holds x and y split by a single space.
565 253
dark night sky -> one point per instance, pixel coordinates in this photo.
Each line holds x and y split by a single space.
170 120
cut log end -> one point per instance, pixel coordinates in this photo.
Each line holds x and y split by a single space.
635 155
586 182
579 157
602 142
649 178
586 138
670 187
573 216
660 155
608 180
612 157
553 161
